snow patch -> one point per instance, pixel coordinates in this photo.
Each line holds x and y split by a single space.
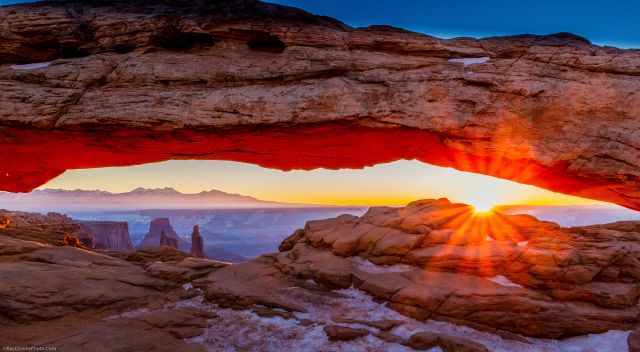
235 330
610 341
523 243
370 267
503 281
33 66
130 314
187 286
468 61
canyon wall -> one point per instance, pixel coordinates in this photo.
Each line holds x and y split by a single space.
113 235
162 227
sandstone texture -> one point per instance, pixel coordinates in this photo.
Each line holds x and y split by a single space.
76 299
161 233
427 340
59 229
431 274
343 333
94 83
50 228
111 235
197 243
433 259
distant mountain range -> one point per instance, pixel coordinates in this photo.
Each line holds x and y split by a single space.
139 198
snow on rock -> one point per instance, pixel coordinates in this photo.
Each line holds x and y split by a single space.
32 66
523 243
370 267
503 281
130 314
468 61
234 330
610 341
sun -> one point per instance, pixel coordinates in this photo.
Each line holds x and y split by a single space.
483 205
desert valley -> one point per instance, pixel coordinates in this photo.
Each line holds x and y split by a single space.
433 274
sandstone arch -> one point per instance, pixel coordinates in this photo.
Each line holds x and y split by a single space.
97 83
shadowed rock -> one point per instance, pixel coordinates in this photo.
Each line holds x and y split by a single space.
110 235
344 333
168 241
197 243
159 227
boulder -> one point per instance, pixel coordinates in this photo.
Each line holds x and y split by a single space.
344 333
428 340
553 282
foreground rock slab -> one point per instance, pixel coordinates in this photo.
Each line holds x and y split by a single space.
342 284
434 259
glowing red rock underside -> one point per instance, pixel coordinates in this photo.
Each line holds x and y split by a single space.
33 157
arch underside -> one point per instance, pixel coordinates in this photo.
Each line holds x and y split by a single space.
34 157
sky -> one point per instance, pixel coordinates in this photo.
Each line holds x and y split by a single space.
394 183
603 22
614 23
611 23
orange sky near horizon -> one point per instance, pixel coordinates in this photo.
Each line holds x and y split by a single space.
395 183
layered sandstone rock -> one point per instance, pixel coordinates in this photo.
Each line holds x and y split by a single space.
72 298
53 282
51 228
197 243
168 241
154 299
161 228
129 82
110 235
434 259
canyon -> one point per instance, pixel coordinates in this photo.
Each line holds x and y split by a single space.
59 229
245 80
433 273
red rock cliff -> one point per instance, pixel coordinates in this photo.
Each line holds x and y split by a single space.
111 235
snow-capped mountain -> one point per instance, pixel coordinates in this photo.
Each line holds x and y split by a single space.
139 198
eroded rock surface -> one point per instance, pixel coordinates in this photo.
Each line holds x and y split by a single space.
161 233
73 298
437 260
197 243
50 228
131 82
342 284
110 235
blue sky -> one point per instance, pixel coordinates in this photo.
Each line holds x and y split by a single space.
603 22
614 22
